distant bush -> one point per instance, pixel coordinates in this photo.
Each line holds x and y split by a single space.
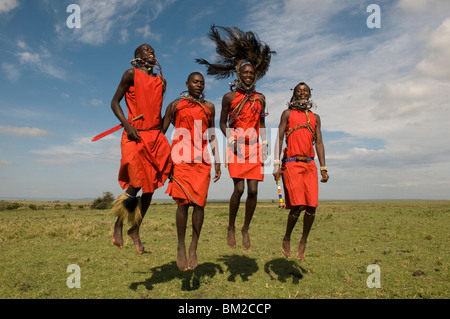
12 206
104 202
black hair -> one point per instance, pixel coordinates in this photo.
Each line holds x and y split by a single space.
237 48
192 74
139 49
293 90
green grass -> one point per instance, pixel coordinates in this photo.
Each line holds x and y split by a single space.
39 242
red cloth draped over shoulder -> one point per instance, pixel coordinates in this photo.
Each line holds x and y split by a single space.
190 156
244 126
300 180
145 164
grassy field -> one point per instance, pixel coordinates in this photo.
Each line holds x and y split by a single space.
408 240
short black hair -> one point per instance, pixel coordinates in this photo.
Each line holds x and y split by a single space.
138 50
194 73
303 83
293 90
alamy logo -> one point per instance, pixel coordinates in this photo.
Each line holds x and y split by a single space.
74 280
374 20
74 19
374 280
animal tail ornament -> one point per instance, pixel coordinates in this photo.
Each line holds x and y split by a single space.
127 207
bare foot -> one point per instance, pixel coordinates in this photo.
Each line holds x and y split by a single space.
117 236
181 258
134 234
245 239
231 238
192 262
301 249
286 248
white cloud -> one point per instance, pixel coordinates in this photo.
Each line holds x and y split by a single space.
8 5
40 59
102 19
29 57
123 36
436 61
435 7
147 34
96 102
21 44
403 98
23 131
81 149
11 71
6 163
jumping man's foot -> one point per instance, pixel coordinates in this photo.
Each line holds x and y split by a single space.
231 238
134 234
192 261
301 249
245 239
181 258
286 248
117 236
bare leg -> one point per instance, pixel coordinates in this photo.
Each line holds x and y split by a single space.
250 206
181 220
117 235
197 223
291 221
234 207
308 220
133 232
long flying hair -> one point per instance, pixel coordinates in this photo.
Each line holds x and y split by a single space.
234 48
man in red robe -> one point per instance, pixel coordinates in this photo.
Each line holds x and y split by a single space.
243 109
146 162
193 117
302 129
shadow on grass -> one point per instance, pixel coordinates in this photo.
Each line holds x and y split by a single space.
190 280
284 269
241 266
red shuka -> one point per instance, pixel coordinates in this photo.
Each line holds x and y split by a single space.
145 164
300 180
190 156
245 127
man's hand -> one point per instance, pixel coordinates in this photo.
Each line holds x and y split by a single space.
218 172
133 133
324 176
277 173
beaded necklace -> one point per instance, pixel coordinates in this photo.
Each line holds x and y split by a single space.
186 96
138 62
248 96
298 105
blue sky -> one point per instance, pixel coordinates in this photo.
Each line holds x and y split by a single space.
382 93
